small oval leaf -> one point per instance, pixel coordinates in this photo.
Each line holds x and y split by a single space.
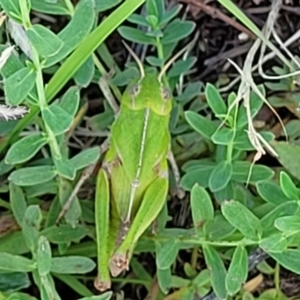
72 265
57 119
44 40
238 270
201 205
220 176
18 85
25 148
243 219
32 175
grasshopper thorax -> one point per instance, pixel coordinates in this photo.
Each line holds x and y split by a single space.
148 92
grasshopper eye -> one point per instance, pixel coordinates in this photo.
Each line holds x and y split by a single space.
166 93
134 90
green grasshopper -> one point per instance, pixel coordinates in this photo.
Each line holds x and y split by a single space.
132 184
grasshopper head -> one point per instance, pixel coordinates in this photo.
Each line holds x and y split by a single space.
148 92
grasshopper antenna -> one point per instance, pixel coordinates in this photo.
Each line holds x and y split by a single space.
168 64
138 61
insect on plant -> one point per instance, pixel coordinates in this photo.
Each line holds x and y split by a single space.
132 184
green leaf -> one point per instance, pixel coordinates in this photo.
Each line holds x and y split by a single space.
5 168
202 278
215 100
201 124
166 253
135 35
228 192
289 259
181 67
17 202
288 224
243 219
54 8
164 277
220 176
201 206
237 271
15 263
151 7
103 5
13 282
255 106
290 208
191 91
57 119
76 30
49 187
25 148
138 20
125 77
18 85
12 65
288 187
43 256
217 271
105 296
65 168
74 212
77 285
274 243
223 136
289 157
170 14
72 265
14 243
12 9
31 225
20 296
199 176
271 192
32 175
85 73
44 40
219 229
65 233
292 129
85 158
248 296
241 169
176 31
70 101
46 286
241 140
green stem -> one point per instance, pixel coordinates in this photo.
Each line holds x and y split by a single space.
230 146
43 103
70 7
39 81
161 56
25 14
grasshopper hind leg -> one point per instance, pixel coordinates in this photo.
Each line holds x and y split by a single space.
149 209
